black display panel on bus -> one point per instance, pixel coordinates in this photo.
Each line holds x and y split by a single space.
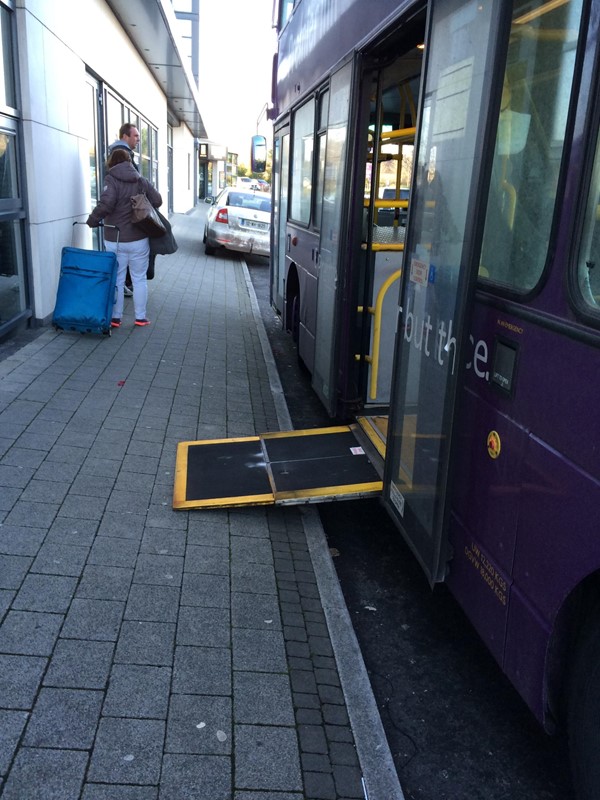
504 364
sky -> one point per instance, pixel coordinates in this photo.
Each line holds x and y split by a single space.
237 44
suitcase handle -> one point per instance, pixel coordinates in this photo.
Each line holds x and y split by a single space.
101 224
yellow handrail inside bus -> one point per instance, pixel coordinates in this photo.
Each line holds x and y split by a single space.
404 134
511 192
376 311
377 246
386 203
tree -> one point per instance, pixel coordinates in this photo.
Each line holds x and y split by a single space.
243 170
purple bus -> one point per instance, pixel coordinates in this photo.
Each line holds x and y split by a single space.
435 255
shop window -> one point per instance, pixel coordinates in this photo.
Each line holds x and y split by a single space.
13 290
114 118
9 189
8 94
12 279
118 112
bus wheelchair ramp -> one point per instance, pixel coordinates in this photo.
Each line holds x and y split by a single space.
284 468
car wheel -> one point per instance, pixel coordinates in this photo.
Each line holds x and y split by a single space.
209 249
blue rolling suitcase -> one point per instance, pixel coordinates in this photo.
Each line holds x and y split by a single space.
86 290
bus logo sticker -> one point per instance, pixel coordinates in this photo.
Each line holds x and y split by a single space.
493 444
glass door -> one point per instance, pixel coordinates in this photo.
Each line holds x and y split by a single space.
280 179
94 118
334 179
13 289
439 269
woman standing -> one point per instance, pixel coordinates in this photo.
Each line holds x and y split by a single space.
130 243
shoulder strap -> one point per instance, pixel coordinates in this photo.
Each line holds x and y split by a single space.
120 146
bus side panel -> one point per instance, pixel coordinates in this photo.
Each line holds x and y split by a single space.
482 589
487 484
527 640
308 304
486 489
557 547
566 419
527 517
485 512
558 542
318 36
302 246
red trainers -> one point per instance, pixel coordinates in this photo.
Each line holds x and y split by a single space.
142 322
115 322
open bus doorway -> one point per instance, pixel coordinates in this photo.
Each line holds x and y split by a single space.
387 183
391 92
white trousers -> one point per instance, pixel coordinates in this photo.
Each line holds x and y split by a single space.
134 255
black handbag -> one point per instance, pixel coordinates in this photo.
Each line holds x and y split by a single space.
163 245
150 270
160 246
145 216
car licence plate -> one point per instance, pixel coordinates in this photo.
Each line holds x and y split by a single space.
258 226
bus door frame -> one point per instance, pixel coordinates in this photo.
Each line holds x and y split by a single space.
425 528
333 251
280 189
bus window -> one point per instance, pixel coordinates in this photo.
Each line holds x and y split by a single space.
284 11
529 143
302 162
588 272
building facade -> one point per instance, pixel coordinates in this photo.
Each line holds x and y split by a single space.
214 169
72 72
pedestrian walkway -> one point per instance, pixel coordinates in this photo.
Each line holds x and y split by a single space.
153 654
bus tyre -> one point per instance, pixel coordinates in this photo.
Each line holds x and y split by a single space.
584 713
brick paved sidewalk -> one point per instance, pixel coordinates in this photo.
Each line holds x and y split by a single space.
148 654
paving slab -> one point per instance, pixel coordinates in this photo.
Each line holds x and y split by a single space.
153 654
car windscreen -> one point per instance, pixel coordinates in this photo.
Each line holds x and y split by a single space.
255 202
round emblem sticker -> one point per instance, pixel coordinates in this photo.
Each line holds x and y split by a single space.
493 444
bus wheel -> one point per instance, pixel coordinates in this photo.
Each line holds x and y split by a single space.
584 713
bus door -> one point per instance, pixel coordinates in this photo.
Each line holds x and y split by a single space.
331 149
280 176
312 245
440 267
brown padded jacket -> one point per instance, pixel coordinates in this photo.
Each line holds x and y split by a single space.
121 183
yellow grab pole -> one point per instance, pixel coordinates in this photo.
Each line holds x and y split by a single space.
377 330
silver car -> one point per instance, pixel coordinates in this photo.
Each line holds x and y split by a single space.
238 220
